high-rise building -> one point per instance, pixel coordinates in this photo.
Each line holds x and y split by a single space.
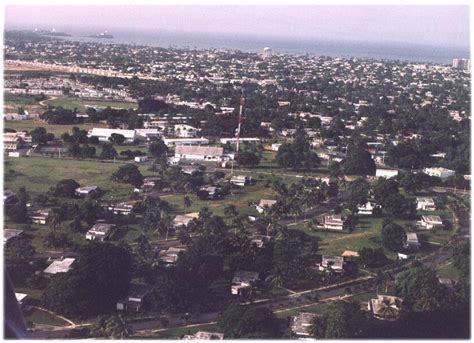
462 63
267 52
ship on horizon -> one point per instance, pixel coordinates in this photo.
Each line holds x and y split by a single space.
104 34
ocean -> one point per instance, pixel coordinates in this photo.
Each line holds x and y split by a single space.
255 44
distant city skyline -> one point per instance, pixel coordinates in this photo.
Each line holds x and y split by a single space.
440 25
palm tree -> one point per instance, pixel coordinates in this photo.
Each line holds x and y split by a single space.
386 310
274 280
117 328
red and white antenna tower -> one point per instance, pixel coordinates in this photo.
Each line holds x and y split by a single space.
237 134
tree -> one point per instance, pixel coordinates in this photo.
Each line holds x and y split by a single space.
318 327
116 138
344 320
239 321
108 152
128 173
65 188
17 213
413 183
40 136
372 258
113 327
383 189
393 236
98 280
419 287
357 194
248 158
358 161
462 258
298 155
158 148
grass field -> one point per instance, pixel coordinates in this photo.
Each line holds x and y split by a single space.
448 271
38 174
71 103
12 101
239 197
38 316
57 130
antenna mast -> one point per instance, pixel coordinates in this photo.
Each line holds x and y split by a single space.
242 103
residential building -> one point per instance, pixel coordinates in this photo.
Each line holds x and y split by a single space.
103 134
11 234
100 231
386 173
301 324
140 159
39 216
450 283
135 298
124 208
9 197
170 256
239 180
185 131
21 298
385 307
264 204
425 204
331 263
86 190
59 266
430 222
243 280
260 240
205 336
184 219
411 242
366 209
440 172
331 222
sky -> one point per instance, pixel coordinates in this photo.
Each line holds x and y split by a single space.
438 25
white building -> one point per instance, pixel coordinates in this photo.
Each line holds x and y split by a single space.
104 134
366 209
411 241
99 232
430 222
332 263
201 153
332 222
440 172
60 266
386 173
185 131
241 140
264 204
185 141
425 204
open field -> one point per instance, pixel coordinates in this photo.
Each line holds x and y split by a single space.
38 174
57 130
12 101
70 103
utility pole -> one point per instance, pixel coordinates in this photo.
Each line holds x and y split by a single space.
241 109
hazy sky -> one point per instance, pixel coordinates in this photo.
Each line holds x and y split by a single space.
430 25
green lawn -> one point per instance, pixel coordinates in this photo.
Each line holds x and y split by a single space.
38 174
38 316
448 271
56 129
17 100
71 103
